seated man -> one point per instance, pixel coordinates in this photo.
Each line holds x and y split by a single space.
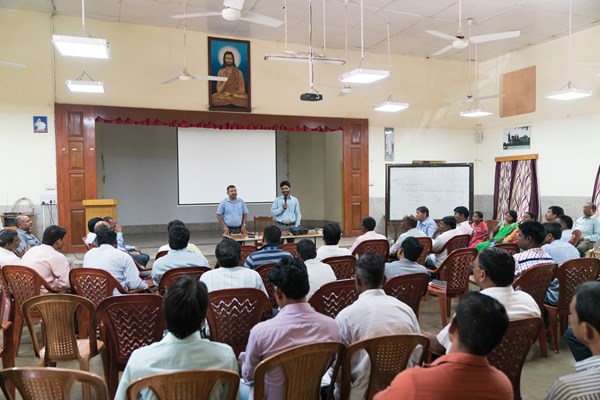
447 230
426 224
493 271
530 239
368 227
297 323
137 255
560 252
118 263
585 383
178 256
566 224
390 316
318 273
270 252
409 226
478 326
190 247
24 225
46 259
9 241
589 226
461 214
332 233
408 254
553 213
91 236
231 275
184 308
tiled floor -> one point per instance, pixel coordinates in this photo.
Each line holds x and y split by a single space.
538 372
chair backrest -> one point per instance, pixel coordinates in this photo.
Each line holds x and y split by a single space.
161 254
53 383
263 271
491 224
195 384
457 269
172 275
333 297
342 266
260 223
509 356
24 283
377 246
233 312
535 281
575 237
457 242
7 315
94 284
573 273
246 251
58 315
409 289
389 355
302 366
427 244
290 248
512 248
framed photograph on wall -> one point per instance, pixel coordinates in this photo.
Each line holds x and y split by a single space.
518 137
389 144
231 59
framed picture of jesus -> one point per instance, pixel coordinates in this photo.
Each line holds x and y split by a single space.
229 58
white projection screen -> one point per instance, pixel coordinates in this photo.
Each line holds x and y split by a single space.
208 160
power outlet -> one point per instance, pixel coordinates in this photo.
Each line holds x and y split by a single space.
48 198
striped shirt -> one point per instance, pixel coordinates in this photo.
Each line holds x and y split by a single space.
584 384
232 278
270 253
528 258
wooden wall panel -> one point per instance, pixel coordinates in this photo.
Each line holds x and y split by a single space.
75 127
356 176
76 187
76 155
78 224
519 90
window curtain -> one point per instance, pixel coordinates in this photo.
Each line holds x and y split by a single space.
596 194
516 188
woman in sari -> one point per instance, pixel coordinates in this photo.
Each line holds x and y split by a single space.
503 229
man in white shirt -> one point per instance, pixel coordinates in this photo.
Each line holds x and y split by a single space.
136 253
368 227
91 236
566 224
372 315
318 273
332 233
118 263
46 259
409 226
560 252
231 275
9 241
191 247
461 214
494 272
447 229
184 308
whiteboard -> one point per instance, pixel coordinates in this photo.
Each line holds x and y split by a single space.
209 160
439 187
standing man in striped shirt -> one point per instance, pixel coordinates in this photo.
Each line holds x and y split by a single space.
585 383
270 252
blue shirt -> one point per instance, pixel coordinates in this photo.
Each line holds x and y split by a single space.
290 215
403 267
560 252
589 227
232 212
176 259
27 240
270 253
428 226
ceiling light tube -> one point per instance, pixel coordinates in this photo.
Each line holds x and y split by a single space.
475 110
75 46
390 106
361 75
569 92
85 86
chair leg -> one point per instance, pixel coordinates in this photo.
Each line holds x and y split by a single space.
542 341
17 331
84 365
553 325
448 307
443 308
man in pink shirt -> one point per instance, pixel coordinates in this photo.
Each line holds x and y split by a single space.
368 227
46 259
296 323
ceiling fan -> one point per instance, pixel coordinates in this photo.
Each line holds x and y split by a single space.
459 41
233 11
185 75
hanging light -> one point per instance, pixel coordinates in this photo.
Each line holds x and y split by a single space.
390 105
85 86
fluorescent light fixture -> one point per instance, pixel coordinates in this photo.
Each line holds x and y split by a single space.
569 92
75 46
390 106
85 86
361 75
477 112
304 58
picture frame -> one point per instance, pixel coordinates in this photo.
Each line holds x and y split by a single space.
389 144
518 137
233 94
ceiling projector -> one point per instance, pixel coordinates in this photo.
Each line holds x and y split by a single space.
311 96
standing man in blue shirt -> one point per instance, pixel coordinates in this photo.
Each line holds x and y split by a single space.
232 213
286 208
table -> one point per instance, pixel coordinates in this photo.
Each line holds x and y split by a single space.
257 238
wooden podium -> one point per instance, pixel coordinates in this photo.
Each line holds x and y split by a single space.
100 208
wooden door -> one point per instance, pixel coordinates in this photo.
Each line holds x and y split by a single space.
76 169
356 176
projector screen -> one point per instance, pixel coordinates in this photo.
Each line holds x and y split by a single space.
209 160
